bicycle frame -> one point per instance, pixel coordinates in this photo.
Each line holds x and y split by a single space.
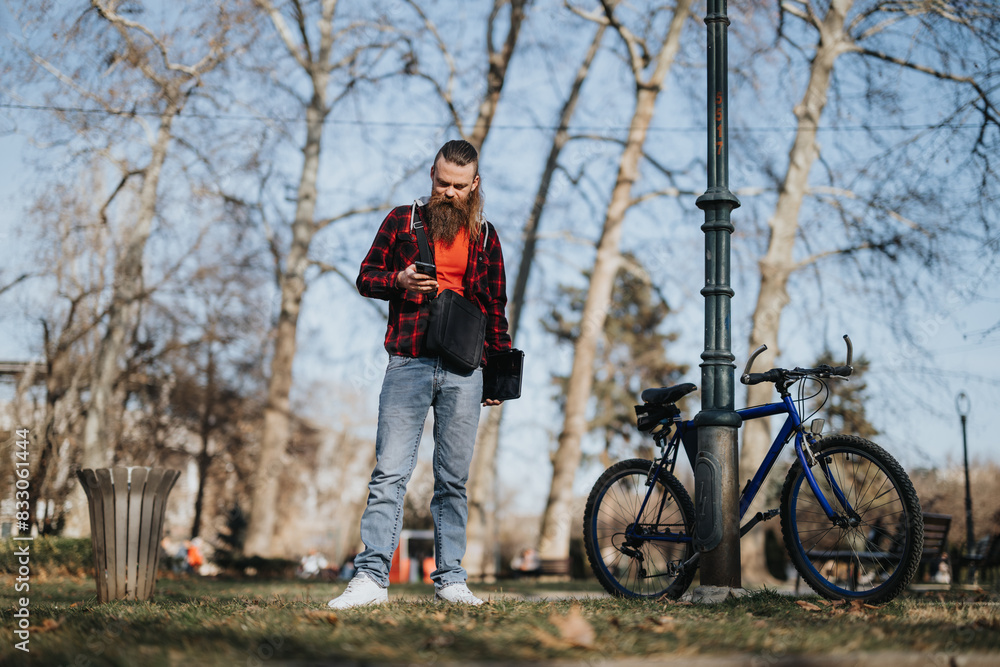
792 425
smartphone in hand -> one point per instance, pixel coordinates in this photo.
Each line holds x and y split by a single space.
426 269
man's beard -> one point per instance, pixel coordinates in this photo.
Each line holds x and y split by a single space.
448 217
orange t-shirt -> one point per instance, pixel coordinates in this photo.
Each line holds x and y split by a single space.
451 262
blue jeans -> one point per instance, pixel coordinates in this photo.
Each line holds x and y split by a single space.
411 387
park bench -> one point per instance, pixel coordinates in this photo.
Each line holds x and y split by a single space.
549 568
936 528
983 560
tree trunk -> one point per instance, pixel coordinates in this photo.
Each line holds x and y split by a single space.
204 460
480 560
558 517
204 456
62 412
482 549
277 418
778 263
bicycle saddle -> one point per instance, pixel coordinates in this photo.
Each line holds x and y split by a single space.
667 395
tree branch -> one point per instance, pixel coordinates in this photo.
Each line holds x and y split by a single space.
813 259
444 93
595 16
632 43
499 61
924 69
300 22
663 192
123 25
323 223
103 213
285 33
21 278
803 11
330 268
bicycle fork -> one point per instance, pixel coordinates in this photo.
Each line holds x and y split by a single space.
850 518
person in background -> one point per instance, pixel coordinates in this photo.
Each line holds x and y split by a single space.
194 558
312 564
525 562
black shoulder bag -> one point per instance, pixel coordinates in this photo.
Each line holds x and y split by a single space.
456 327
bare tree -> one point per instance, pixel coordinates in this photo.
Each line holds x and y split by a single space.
114 73
209 352
482 528
940 42
641 56
319 46
498 59
75 256
174 82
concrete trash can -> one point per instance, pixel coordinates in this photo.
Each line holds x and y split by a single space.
126 523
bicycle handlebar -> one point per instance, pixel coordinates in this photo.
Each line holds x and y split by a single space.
778 374
746 371
773 375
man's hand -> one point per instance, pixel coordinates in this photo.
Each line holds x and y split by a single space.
408 279
491 401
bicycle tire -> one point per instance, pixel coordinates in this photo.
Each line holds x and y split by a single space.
645 568
874 558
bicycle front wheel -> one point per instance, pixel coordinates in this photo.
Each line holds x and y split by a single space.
871 550
638 554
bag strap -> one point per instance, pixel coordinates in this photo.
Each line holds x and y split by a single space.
417 225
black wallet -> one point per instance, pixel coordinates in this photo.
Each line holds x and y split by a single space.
502 375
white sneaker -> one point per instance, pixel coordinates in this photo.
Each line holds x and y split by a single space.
362 590
456 594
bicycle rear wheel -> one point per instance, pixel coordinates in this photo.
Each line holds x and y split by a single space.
872 552
623 546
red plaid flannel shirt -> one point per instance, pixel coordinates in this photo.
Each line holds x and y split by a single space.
395 248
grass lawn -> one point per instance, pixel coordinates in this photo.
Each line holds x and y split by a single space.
218 622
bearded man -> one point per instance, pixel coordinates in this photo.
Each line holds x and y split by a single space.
468 259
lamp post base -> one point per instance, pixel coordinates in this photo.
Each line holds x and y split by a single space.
713 594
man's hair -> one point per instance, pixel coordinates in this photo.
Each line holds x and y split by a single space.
460 152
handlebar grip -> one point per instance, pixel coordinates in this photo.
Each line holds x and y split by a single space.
843 371
773 375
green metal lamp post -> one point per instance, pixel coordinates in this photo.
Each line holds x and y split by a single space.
717 532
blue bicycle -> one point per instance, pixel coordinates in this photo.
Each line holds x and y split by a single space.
850 518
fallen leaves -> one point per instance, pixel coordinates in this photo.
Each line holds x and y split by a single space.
664 624
47 625
574 630
327 616
855 607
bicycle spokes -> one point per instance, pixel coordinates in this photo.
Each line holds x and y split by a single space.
637 536
870 545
